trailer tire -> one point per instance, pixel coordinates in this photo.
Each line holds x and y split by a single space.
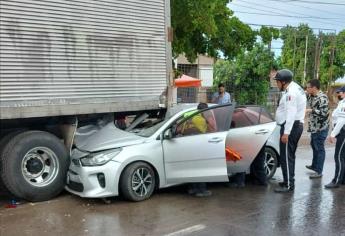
34 165
3 141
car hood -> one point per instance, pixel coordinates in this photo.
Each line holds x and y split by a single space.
93 139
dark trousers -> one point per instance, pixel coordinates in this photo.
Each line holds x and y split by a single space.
288 153
317 143
339 158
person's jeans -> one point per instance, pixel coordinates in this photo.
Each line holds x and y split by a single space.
318 145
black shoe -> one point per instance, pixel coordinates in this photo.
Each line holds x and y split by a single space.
205 193
332 185
236 185
310 168
283 189
282 184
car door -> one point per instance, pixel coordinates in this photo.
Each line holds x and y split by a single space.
251 127
194 156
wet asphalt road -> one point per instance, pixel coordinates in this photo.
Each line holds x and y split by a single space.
253 210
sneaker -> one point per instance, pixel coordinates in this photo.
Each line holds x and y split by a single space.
282 184
332 185
310 168
191 191
315 176
205 193
284 189
236 185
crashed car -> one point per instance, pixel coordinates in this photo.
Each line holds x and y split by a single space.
108 161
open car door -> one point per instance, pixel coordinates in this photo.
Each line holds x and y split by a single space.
195 152
251 127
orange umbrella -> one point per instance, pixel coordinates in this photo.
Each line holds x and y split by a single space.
186 81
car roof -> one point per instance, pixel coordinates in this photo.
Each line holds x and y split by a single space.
177 108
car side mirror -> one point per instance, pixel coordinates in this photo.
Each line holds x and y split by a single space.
168 134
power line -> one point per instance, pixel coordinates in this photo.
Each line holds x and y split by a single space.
283 15
282 26
311 2
313 9
265 10
294 12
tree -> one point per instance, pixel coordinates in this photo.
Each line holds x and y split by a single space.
247 76
267 34
208 27
332 61
294 48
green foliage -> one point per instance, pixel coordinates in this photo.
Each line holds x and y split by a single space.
247 76
327 73
295 63
207 27
336 44
268 34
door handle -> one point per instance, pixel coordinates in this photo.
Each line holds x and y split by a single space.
262 131
215 140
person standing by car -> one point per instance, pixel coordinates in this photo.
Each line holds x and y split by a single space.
338 136
290 116
199 123
221 97
317 125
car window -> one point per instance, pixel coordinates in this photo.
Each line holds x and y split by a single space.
265 117
244 116
248 116
150 131
208 121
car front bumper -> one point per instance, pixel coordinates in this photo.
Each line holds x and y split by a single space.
93 181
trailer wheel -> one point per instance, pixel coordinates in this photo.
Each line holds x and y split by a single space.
34 165
3 141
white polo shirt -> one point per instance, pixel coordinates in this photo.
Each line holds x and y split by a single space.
338 118
291 106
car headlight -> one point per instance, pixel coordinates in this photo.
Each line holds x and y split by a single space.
100 158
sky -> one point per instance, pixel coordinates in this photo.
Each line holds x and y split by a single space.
328 15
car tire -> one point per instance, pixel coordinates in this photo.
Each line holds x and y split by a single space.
131 186
34 165
271 162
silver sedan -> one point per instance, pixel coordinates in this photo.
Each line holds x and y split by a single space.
188 146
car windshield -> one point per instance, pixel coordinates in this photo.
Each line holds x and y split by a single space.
150 131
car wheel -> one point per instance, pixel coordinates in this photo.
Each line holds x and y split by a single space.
137 182
271 162
34 165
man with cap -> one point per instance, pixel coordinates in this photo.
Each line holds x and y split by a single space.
338 136
290 116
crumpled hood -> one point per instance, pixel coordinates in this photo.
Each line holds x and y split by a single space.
93 139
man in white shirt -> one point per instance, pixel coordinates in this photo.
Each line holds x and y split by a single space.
338 136
290 116
221 97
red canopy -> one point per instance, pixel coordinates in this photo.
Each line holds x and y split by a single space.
187 81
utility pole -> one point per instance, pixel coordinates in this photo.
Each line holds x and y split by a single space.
319 57
318 48
294 54
332 59
305 60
